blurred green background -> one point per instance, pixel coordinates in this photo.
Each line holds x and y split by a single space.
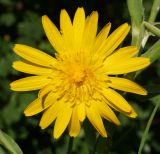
20 22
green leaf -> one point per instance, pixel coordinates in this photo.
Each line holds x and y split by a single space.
9 143
144 137
136 11
152 53
152 18
156 100
154 10
152 29
2 150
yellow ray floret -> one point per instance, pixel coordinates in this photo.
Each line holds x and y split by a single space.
74 126
79 82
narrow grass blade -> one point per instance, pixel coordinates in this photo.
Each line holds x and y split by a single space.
148 125
154 10
9 143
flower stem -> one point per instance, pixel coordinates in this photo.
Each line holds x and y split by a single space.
144 137
136 12
70 145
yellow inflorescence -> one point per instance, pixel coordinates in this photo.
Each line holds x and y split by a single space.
79 83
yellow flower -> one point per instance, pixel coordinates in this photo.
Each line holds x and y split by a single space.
79 82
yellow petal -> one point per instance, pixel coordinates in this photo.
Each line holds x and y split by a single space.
35 107
78 26
106 112
114 40
132 114
116 100
45 90
129 65
66 28
121 54
30 83
126 85
101 37
96 120
51 114
34 55
62 121
81 111
51 97
90 30
53 34
31 68
74 126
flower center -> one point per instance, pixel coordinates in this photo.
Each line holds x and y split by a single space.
79 75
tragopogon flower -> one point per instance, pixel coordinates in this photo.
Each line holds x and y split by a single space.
78 83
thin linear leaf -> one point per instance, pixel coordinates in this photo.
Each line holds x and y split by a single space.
137 14
9 143
154 10
157 101
153 52
152 18
152 29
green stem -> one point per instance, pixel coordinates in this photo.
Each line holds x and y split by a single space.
144 137
136 12
70 145
154 10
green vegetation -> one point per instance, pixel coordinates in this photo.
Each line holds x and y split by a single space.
20 22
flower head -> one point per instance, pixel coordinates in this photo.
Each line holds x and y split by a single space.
79 81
